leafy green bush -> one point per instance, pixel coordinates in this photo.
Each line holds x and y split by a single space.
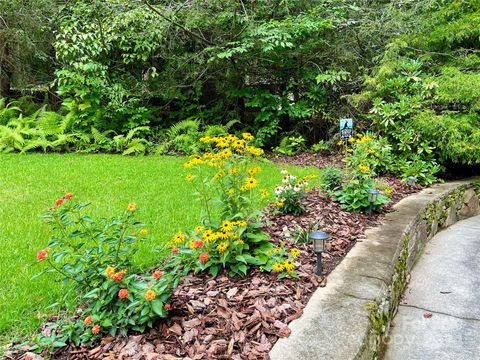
331 179
425 91
291 145
50 131
354 195
424 171
94 260
322 146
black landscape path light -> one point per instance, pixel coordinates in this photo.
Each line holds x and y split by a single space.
319 239
372 197
412 180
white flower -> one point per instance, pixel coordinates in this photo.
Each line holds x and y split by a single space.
296 189
284 172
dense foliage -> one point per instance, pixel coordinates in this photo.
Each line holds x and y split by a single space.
142 77
425 92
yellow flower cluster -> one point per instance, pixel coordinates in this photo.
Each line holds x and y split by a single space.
388 190
364 168
264 193
363 139
295 252
288 265
252 171
226 146
226 231
231 142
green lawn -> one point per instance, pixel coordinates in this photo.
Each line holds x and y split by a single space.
30 183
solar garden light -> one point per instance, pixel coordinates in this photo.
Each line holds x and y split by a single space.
319 238
372 198
412 180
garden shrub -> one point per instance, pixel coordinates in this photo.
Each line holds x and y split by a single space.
425 92
354 196
94 260
291 145
331 179
322 147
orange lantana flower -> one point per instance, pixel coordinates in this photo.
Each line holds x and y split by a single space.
96 329
123 293
203 258
150 295
42 254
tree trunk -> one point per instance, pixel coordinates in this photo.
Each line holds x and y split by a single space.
5 74
5 88
53 100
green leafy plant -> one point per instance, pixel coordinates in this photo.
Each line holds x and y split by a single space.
369 150
291 145
322 147
354 195
94 260
231 234
424 171
302 234
367 157
331 179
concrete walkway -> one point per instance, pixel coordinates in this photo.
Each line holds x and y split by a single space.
440 315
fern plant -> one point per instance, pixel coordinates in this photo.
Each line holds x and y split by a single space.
184 136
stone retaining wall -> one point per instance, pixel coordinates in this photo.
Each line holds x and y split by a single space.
350 317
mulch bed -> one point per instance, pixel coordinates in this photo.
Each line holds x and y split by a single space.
308 159
242 318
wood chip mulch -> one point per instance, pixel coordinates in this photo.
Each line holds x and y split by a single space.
308 159
242 318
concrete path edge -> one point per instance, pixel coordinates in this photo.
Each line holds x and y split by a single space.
350 317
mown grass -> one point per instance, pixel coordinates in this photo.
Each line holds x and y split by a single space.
30 183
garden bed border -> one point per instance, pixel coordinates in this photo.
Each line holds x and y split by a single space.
350 317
